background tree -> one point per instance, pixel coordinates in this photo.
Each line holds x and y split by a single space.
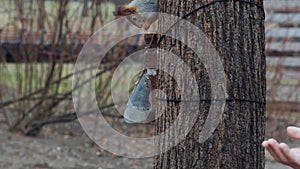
236 29
42 15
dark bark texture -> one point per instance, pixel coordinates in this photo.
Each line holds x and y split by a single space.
236 29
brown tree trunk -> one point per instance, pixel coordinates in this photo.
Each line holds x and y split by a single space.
41 14
85 8
236 30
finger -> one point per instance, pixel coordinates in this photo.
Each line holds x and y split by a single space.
294 132
276 152
265 144
284 148
268 146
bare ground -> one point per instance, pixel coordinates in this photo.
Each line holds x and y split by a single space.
67 147
60 148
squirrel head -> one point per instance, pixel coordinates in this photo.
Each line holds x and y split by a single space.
125 10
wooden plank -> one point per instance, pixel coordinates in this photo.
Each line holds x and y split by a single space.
11 35
33 38
283 46
289 62
283 50
285 18
283 106
283 33
282 5
273 53
287 74
283 93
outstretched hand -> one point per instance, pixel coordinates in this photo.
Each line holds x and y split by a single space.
282 153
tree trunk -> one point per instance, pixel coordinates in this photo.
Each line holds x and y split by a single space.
41 14
236 30
85 8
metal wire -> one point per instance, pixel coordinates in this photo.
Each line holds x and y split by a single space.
211 100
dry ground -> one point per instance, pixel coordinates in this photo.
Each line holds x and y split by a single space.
65 146
60 148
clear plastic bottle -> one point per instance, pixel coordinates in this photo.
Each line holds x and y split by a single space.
140 103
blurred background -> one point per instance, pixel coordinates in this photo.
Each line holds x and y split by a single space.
39 43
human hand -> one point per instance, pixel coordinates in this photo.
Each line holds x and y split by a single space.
282 153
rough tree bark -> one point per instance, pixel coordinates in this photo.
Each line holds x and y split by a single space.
236 29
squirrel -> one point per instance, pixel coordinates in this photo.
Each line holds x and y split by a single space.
139 7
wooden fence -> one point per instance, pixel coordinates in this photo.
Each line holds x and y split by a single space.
21 45
283 55
41 46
